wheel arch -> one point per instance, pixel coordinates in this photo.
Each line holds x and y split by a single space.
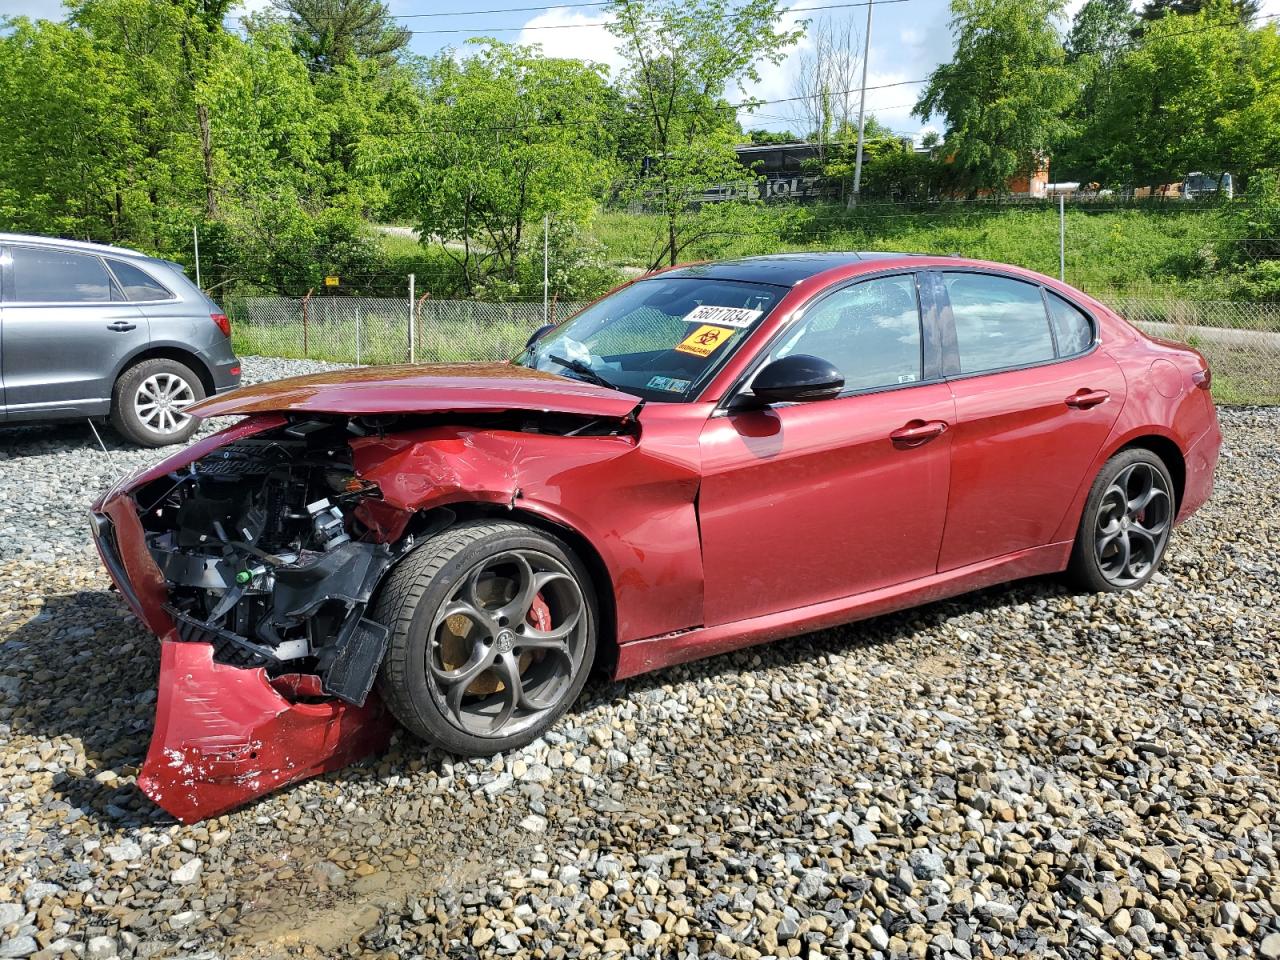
601 580
187 358
1169 453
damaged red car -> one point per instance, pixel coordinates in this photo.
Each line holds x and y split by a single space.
713 456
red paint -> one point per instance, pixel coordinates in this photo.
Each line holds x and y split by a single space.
707 530
456 388
224 735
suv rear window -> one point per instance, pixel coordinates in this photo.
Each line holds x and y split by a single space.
55 276
137 284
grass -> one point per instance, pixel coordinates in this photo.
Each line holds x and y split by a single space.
1159 251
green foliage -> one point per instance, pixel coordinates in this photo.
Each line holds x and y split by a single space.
1200 92
1006 93
682 57
334 33
1157 9
506 137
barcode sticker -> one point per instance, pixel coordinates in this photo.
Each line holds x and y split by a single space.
723 316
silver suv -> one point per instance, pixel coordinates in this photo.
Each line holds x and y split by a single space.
88 330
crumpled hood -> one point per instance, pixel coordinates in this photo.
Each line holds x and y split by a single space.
423 388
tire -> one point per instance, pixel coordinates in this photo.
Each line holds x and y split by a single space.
446 676
148 399
1125 528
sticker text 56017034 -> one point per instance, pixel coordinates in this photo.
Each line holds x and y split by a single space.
739 317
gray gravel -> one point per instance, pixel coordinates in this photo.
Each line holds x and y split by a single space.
1022 771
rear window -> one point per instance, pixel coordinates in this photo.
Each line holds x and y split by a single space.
43 275
137 284
1071 327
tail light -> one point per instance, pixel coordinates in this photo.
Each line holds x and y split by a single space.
223 322
1203 378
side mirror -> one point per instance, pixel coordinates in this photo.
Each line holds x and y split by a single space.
797 379
538 334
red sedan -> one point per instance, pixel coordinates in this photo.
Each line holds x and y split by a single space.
709 457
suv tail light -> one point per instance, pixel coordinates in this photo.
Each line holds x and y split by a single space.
223 322
1203 378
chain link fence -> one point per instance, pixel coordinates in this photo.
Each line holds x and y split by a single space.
374 330
1241 340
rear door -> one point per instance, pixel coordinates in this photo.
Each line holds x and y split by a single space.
66 330
1035 400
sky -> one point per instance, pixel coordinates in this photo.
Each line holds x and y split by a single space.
908 39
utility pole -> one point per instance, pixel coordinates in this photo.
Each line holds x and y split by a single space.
862 111
1062 237
195 233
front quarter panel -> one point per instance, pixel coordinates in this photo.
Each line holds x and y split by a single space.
632 499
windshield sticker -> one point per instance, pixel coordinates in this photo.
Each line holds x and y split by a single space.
724 316
669 384
704 341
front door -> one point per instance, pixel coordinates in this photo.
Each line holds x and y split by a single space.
1035 401
66 330
807 502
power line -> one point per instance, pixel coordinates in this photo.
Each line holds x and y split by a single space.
580 26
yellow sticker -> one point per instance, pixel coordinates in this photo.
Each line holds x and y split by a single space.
703 341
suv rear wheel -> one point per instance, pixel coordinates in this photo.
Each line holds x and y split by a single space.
149 402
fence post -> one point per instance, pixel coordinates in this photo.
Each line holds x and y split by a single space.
305 300
1062 237
412 310
546 225
357 334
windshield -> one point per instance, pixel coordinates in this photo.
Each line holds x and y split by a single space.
659 339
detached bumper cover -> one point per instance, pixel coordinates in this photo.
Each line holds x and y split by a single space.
223 735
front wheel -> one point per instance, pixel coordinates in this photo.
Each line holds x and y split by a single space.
1126 524
493 632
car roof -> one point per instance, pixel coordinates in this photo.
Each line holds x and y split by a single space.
784 269
79 245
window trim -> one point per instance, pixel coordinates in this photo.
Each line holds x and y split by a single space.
946 319
171 298
931 348
111 280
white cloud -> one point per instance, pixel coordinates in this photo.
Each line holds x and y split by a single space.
588 38
35 9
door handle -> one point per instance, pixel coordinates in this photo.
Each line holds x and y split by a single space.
1084 399
918 432
122 326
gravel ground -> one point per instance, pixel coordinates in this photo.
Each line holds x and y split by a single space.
1021 771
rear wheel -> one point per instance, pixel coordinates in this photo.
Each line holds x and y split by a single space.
1126 524
493 631
148 404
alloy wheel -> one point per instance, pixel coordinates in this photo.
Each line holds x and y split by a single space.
161 400
505 647
1132 524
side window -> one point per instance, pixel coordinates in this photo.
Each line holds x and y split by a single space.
999 322
870 331
1071 327
55 276
136 284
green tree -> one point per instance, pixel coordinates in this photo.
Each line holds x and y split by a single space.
1156 9
682 56
1100 29
329 33
1195 94
1006 92
506 136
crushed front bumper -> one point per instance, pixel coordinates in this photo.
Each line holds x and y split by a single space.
223 735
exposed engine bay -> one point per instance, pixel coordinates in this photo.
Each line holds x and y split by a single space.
266 561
